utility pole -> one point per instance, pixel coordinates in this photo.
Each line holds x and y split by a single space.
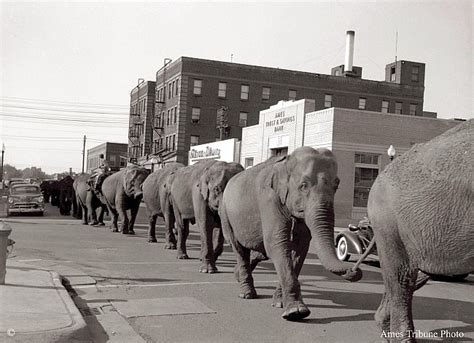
3 153
83 153
222 123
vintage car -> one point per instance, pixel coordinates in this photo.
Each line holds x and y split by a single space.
355 240
25 198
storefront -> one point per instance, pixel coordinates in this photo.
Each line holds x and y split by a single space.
359 140
228 151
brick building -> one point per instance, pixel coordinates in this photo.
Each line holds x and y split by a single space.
114 153
140 131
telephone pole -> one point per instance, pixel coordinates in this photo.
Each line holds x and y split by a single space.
83 153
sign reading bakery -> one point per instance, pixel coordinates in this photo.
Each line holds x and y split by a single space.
221 151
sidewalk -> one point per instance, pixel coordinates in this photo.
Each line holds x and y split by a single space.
35 306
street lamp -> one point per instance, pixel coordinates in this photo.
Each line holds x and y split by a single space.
391 152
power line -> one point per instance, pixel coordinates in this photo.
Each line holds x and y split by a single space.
83 104
98 124
81 129
65 110
14 115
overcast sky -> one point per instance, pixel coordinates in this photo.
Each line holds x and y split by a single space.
58 58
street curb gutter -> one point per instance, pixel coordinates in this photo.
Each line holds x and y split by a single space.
76 331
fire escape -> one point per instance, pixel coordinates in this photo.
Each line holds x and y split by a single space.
134 132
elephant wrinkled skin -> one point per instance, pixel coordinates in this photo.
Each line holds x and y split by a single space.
155 196
422 212
88 202
122 191
271 208
196 192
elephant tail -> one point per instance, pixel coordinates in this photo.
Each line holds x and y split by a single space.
226 227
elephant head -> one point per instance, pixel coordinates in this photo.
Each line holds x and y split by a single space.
133 179
305 184
213 181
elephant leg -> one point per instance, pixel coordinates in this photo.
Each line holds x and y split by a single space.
400 283
183 231
277 244
133 217
255 258
124 218
244 272
85 215
114 214
101 215
206 226
301 238
218 242
170 238
151 228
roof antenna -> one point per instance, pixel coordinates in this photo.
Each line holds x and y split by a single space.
396 46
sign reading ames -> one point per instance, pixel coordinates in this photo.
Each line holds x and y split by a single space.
279 121
208 152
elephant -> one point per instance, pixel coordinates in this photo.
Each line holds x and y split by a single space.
88 202
422 212
273 209
195 194
122 191
67 197
155 196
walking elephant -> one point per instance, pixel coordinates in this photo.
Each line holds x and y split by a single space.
122 191
88 202
155 196
196 192
422 212
271 208
67 201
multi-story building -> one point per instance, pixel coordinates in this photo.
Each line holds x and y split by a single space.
140 131
114 153
200 101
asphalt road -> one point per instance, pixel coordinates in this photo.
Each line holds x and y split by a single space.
164 299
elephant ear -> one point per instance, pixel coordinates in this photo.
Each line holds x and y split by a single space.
128 177
278 180
203 184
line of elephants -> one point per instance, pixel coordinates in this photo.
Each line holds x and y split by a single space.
420 207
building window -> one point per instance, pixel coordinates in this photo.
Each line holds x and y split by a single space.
176 90
167 117
398 107
413 109
392 74
362 103
197 89
175 114
415 73
170 90
265 93
194 140
385 104
173 144
243 119
195 115
248 162
328 100
167 142
222 90
366 171
244 92
123 162
291 94
163 119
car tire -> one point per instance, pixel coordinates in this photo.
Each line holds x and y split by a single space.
342 249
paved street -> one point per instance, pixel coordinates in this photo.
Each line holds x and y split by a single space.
126 286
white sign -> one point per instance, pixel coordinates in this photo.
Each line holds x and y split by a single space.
221 151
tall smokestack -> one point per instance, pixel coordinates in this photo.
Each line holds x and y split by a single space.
349 51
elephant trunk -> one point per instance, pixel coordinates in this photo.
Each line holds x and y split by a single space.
320 220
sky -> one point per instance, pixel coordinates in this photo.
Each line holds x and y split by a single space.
67 68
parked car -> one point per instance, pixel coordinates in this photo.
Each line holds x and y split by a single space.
355 240
25 198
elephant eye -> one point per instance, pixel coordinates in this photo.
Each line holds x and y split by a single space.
304 187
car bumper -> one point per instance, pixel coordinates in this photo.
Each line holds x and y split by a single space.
25 209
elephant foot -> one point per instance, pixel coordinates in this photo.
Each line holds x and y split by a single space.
115 230
296 311
128 232
101 224
170 246
208 268
247 292
183 256
152 240
85 223
277 299
94 223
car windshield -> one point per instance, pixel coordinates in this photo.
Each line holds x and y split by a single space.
25 189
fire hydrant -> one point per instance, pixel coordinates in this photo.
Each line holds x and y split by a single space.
5 231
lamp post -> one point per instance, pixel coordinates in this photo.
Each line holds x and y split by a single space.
391 152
